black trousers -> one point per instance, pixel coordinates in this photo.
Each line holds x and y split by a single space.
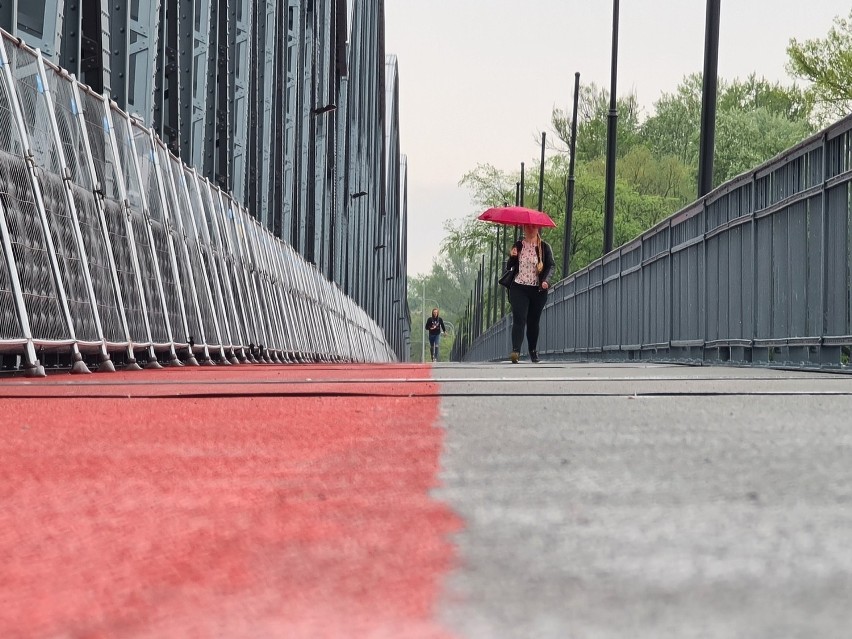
527 304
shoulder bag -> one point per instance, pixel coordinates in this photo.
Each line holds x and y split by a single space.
508 277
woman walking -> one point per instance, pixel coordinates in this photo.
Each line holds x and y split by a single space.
532 259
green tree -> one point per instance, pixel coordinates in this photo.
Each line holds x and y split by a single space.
592 114
827 64
753 94
767 134
755 120
672 130
665 176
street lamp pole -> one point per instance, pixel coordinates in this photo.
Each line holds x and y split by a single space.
422 324
541 173
611 142
569 195
708 98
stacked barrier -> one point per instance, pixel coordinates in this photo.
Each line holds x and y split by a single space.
112 249
758 271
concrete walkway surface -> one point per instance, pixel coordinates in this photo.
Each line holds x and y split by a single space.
453 500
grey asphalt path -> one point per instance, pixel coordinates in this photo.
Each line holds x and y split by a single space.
642 501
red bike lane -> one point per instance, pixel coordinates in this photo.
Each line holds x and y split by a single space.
249 501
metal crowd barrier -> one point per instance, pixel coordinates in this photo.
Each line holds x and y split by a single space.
113 250
759 271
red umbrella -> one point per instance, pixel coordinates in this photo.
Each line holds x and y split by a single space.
517 215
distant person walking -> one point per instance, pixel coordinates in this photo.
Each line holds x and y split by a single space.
532 259
435 326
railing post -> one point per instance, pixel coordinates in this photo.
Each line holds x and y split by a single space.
18 123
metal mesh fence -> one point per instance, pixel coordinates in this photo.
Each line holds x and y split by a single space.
42 135
178 252
212 264
159 234
25 242
109 187
109 244
198 277
74 147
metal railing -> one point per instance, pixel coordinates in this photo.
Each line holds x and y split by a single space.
758 271
112 249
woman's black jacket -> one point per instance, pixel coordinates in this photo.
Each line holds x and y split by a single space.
546 258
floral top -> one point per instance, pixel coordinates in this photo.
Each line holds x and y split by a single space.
527 263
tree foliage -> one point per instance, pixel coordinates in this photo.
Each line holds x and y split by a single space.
755 120
592 112
827 64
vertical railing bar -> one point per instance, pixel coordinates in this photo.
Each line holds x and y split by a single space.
181 187
230 347
282 295
47 97
255 279
276 340
131 359
279 303
122 188
79 366
166 185
31 362
231 258
146 211
219 262
170 237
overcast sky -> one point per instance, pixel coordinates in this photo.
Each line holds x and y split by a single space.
479 78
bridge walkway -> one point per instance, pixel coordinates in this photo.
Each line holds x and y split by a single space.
454 500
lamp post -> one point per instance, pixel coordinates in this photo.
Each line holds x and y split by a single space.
611 130
541 173
497 269
708 98
569 194
491 284
520 196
